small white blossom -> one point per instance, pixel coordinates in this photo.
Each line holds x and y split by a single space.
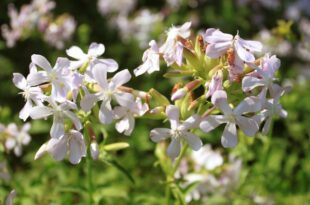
177 132
108 91
94 150
60 76
17 138
207 158
150 60
32 95
172 49
59 112
71 143
126 116
232 118
90 58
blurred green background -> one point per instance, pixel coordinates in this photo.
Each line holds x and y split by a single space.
276 167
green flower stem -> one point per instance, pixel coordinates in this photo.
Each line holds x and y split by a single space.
89 178
179 159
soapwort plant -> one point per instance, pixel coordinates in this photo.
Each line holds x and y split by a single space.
223 79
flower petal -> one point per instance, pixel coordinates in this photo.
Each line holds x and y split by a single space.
173 115
229 137
58 127
105 113
39 112
96 49
41 61
244 54
19 81
88 101
100 75
193 140
75 52
247 125
57 147
124 99
119 79
174 148
76 121
110 64
219 99
212 122
249 83
159 134
249 104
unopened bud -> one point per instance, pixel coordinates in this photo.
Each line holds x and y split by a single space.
94 150
180 93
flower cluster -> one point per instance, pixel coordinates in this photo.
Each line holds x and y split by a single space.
239 90
69 90
37 16
14 138
235 82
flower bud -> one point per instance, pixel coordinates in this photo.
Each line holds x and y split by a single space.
94 150
180 93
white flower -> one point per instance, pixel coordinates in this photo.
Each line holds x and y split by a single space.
263 76
32 95
177 132
59 112
90 58
17 138
232 118
207 158
108 91
215 84
71 143
172 49
150 60
59 76
219 43
126 116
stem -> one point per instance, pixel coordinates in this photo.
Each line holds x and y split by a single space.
89 178
179 159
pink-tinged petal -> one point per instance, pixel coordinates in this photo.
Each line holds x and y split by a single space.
100 75
110 64
173 115
62 65
58 127
96 49
251 45
88 101
229 137
249 83
57 147
76 121
159 134
267 125
119 112
193 140
75 52
38 78
219 99
76 150
249 104
131 121
39 112
105 113
119 79
42 150
122 125
174 148
244 54
212 52
247 125
179 53
25 111
41 62
19 81
215 36
212 122
191 122
124 99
